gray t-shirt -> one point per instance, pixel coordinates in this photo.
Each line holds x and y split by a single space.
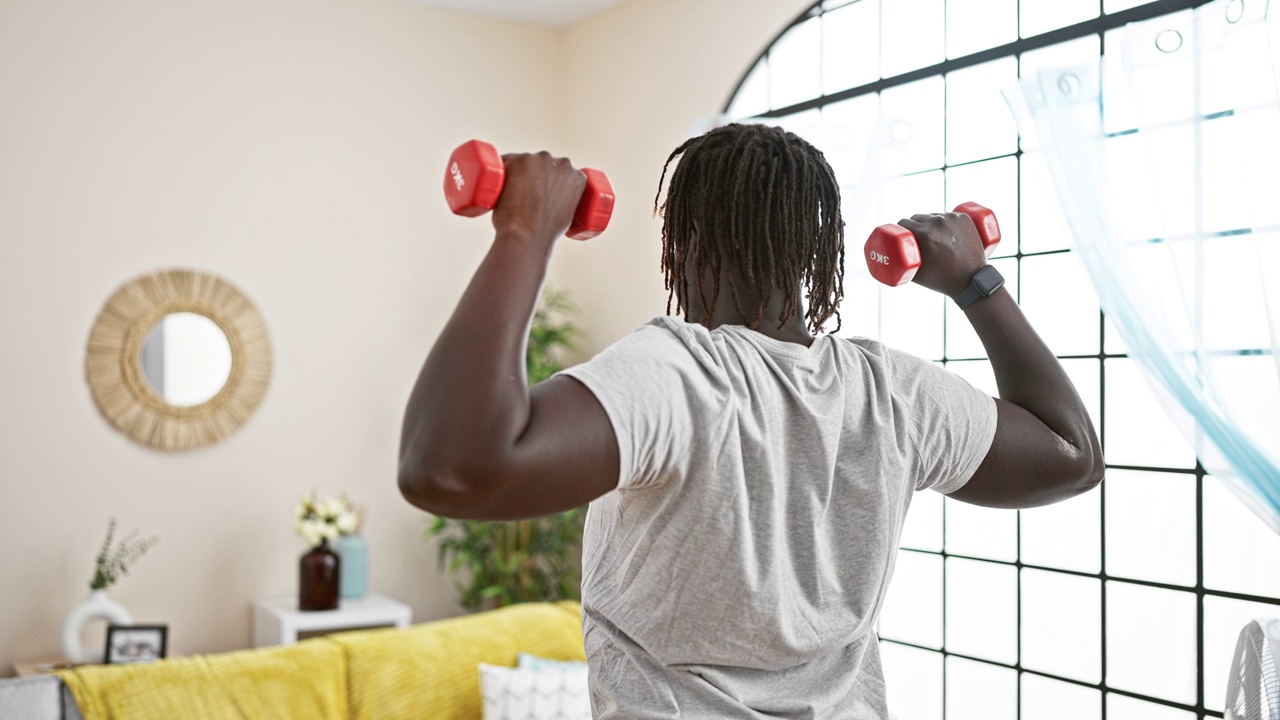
738 569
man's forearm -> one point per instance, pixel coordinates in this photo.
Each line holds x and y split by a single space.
1027 372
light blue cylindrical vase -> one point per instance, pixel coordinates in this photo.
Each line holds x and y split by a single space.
354 553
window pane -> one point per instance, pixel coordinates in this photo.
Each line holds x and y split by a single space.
1151 641
978 373
914 680
1225 87
905 196
1223 620
912 609
860 311
850 126
1045 699
982 610
1046 228
851 46
923 527
1130 185
1163 83
1120 707
1062 625
1151 526
912 320
1239 194
1115 344
962 341
794 65
978 691
1236 320
807 124
919 107
994 185
911 35
1234 539
1066 535
979 124
1174 174
1059 301
974 25
1247 385
1080 51
753 95
1114 6
1119 106
1039 17
1138 431
980 531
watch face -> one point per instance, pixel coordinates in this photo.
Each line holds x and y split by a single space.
988 280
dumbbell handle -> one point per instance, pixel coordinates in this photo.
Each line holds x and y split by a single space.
893 254
476 174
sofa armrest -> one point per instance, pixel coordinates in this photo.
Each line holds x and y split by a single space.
39 697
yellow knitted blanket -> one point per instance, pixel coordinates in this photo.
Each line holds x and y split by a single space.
307 680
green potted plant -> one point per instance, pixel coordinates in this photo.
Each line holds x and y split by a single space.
531 560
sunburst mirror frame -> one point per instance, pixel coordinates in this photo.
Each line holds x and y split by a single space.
114 370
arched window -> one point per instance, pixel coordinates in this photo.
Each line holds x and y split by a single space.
1123 603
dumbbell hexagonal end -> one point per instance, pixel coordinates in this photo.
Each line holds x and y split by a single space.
473 178
594 209
892 255
985 221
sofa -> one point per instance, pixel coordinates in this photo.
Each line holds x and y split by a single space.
428 670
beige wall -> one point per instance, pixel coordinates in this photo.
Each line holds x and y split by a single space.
294 148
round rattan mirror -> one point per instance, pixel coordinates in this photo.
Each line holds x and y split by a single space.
178 359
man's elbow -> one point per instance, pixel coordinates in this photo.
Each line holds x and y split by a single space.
442 488
418 486
1097 467
1087 468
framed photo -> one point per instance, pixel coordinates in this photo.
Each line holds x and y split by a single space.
136 643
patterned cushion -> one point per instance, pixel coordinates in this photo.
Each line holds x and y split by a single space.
524 694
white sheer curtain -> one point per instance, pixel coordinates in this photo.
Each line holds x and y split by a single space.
1165 160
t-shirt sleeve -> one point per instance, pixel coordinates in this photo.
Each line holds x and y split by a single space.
654 387
951 422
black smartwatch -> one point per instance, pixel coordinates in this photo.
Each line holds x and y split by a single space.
985 282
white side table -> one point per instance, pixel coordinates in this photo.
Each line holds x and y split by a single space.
278 621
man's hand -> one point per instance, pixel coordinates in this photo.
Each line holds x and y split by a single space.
539 197
950 251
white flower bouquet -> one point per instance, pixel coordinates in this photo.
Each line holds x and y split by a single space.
325 519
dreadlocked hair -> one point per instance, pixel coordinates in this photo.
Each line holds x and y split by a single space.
765 203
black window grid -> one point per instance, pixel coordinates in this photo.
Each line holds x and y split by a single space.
1098 27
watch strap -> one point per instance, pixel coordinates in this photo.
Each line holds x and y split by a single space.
983 284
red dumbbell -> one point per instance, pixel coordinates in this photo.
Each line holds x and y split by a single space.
893 257
473 182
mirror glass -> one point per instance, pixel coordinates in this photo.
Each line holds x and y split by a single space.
186 359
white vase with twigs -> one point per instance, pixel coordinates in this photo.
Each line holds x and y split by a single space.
112 564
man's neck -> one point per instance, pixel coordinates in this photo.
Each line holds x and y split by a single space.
794 330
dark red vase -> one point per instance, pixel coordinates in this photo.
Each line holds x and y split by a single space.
318 575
